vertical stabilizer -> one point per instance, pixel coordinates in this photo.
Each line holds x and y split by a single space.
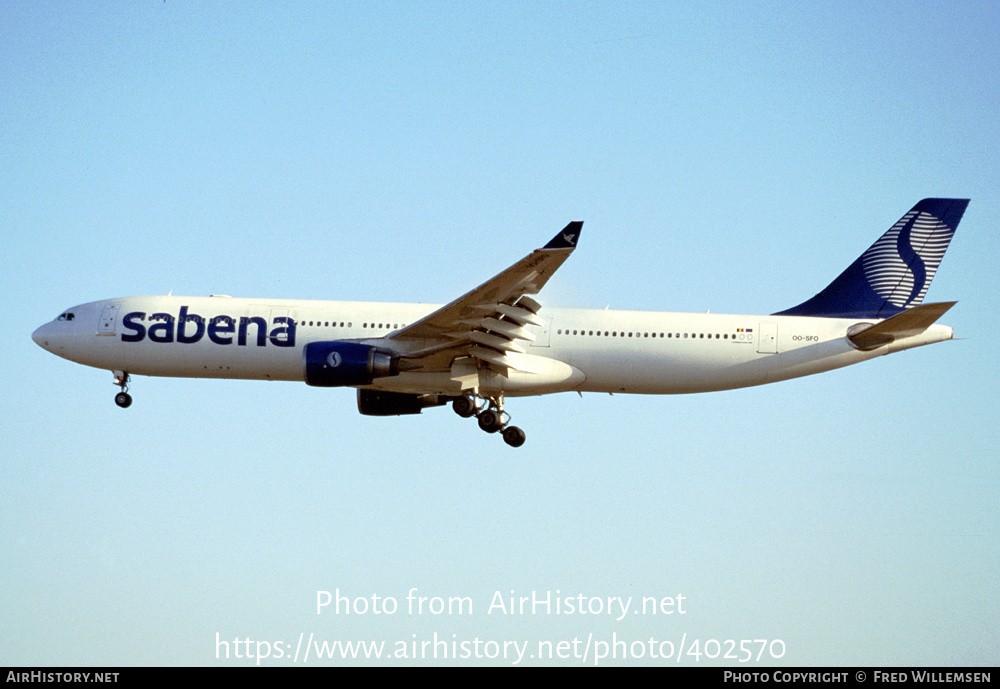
895 272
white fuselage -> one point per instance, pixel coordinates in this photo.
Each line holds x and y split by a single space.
576 349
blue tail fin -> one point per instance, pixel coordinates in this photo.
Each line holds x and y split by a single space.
893 275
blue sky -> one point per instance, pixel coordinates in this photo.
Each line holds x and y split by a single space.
724 156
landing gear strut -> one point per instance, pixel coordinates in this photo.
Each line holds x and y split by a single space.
490 416
122 399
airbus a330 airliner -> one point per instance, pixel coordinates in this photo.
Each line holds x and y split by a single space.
497 341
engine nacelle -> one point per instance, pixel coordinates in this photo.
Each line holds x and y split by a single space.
381 403
336 364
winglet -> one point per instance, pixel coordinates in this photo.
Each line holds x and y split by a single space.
567 238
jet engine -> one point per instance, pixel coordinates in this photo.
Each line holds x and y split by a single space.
335 364
382 403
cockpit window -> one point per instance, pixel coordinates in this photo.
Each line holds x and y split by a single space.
68 316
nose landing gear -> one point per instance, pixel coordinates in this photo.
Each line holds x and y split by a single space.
122 399
491 417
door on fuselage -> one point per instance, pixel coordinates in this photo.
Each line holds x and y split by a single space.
767 338
109 320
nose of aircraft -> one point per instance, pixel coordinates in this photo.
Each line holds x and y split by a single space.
39 336
51 337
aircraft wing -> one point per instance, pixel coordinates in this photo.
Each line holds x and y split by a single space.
489 321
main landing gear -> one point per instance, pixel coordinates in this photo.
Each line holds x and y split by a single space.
122 399
491 417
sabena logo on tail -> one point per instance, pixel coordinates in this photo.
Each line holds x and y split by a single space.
894 273
901 264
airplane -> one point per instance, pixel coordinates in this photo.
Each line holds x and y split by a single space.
497 341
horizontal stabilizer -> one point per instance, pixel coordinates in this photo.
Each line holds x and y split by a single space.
906 324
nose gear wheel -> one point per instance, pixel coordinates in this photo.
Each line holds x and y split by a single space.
122 399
